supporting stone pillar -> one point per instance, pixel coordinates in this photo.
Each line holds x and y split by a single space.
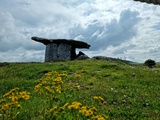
73 53
64 52
51 52
57 52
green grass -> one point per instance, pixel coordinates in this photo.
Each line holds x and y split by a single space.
129 91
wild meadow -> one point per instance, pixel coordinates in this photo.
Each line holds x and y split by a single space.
79 90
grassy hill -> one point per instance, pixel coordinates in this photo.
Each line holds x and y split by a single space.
90 89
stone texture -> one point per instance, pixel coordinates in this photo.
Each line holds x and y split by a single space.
64 52
57 52
74 43
82 57
51 52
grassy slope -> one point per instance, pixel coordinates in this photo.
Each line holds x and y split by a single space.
114 81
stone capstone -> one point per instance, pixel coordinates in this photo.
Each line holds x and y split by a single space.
74 43
156 2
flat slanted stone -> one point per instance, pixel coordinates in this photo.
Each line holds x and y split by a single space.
156 2
75 43
60 49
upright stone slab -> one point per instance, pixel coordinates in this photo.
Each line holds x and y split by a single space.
51 52
64 52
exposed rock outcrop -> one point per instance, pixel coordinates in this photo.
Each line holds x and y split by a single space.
110 59
82 56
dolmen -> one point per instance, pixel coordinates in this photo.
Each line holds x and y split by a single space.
61 49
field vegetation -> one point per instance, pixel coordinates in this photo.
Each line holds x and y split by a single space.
79 90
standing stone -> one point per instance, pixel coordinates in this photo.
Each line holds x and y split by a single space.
64 52
51 52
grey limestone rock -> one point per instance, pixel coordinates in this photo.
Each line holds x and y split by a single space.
64 52
83 57
51 52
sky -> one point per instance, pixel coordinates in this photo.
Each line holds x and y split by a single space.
122 29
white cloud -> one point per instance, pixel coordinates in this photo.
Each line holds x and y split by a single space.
113 28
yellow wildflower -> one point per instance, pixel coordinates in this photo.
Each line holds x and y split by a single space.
75 105
4 107
13 103
43 82
62 75
15 98
14 89
19 106
48 88
52 109
94 108
25 97
10 93
58 89
99 117
24 93
37 87
89 112
53 83
95 97
86 112
65 105
59 80
98 98
48 74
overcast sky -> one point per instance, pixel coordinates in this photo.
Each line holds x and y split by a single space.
115 28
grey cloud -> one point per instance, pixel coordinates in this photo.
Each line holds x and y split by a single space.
101 35
156 26
154 49
21 55
20 20
74 2
123 49
11 36
7 31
